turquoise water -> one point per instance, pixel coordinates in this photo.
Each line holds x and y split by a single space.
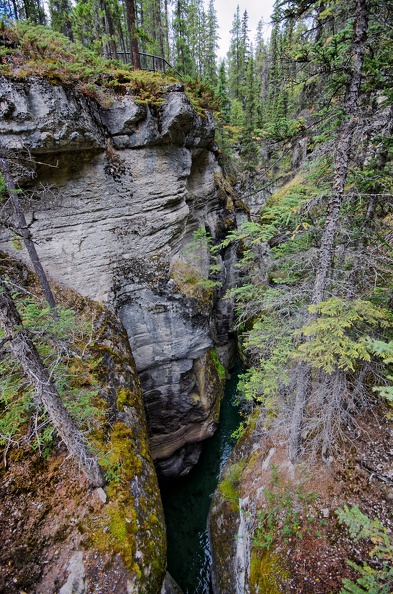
187 502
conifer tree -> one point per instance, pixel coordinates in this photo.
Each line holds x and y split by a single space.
211 45
250 144
235 54
196 35
60 17
181 39
222 91
307 267
261 68
32 10
25 352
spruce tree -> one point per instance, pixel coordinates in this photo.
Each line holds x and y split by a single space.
222 91
60 17
211 45
235 64
249 140
181 39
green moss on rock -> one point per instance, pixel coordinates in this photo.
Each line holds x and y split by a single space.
230 484
267 573
219 366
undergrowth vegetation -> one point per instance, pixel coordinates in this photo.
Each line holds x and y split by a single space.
62 344
27 50
287 513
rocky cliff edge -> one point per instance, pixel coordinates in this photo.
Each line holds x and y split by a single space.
115 195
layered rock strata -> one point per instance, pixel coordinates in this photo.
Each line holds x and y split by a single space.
123 190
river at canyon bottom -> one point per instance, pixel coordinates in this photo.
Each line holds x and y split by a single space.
187 502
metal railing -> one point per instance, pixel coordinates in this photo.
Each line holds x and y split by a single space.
154 63
147 62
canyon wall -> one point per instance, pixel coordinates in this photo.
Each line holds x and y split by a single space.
58 533
116 195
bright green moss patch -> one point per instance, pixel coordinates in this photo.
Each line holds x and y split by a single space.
121 455
230 492
219 366
267 573
230 484
125 397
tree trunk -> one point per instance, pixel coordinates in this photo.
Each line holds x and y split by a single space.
166 22
15 8
361 249
159 27
25 232
24 350
109 28
358 47
302 395
131 23
327 243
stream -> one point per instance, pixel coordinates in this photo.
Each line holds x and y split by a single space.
187 502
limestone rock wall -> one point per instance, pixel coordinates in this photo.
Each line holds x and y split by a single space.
124 190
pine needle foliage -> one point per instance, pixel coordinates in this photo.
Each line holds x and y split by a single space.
376 578
61 343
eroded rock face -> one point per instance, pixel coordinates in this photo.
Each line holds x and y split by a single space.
41 117
229 529
126 189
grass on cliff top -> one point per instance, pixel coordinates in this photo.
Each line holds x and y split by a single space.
30 50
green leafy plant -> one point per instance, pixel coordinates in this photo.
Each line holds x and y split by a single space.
286 514
378 577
